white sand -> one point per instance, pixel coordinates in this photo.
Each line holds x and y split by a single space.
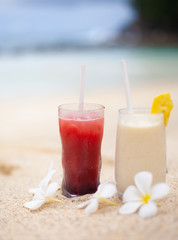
29 140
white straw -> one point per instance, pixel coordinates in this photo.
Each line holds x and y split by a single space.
126 85
81 97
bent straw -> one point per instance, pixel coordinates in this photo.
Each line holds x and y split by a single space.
126 86
81 97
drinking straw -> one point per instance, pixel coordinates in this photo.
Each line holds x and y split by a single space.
81 97
126 86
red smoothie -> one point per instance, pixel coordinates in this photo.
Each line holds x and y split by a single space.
81 153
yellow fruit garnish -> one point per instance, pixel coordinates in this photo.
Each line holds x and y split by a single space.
162 103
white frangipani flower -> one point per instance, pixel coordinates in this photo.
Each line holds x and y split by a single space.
46 191
143 195
105 190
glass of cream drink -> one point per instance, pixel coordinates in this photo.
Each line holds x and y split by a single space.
140 146
81 136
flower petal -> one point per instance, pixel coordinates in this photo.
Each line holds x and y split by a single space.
143 181
130 207
131 194
33 205
148 210
92 207
83 204
34 190
106 190
52 189
40 195
44 183
159 190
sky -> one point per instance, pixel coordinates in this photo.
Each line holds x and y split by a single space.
31 23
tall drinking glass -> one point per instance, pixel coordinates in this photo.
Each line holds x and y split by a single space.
140 146
81 136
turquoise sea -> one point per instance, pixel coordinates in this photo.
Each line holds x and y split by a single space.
55 72
26 26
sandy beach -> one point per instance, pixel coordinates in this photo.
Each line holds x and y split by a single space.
29 140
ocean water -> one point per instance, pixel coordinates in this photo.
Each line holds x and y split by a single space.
59 72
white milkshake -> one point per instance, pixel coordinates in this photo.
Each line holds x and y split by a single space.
140 146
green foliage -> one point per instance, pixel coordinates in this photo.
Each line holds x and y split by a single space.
158 14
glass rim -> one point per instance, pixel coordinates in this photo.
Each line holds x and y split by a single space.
138 110
99 107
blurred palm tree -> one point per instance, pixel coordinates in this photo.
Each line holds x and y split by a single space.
157 14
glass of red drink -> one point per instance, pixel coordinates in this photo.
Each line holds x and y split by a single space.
81 136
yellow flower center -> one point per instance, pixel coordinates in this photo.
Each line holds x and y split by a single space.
146 198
